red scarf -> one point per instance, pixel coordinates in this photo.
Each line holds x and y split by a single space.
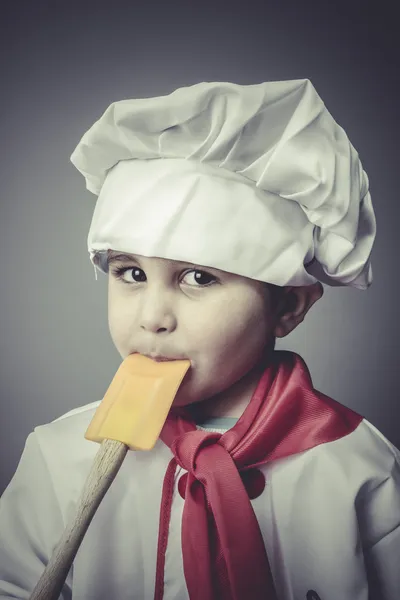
224 556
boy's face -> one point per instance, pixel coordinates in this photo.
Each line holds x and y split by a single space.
219 321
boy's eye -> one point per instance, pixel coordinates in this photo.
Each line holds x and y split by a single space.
138 274
201 278
194 277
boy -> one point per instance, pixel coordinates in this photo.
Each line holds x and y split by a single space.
221 210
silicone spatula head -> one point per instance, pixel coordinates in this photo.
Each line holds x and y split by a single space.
136 405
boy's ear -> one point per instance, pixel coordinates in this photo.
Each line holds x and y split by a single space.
296 301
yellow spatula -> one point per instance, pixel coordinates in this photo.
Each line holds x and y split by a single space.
130 416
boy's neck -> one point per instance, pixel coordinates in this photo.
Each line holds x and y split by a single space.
234 401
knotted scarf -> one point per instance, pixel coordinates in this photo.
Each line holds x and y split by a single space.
224 556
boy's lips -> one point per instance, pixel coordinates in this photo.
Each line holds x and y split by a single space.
162 358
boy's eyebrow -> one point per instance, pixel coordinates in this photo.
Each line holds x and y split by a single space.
115 256
121 257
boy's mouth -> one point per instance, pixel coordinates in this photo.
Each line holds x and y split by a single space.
161 358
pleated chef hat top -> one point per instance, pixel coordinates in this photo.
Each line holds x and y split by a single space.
257 180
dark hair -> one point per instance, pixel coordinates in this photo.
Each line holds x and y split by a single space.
100 259
275 292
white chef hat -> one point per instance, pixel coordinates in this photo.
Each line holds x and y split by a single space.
257 180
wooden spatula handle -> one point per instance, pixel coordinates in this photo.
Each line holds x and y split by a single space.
106 465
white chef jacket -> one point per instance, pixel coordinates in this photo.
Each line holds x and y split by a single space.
329 517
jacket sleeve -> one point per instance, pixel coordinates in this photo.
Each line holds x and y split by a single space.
380 526
31 525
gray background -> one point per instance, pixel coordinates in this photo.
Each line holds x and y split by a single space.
62 64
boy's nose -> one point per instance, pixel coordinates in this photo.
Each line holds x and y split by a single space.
156 314
155 326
